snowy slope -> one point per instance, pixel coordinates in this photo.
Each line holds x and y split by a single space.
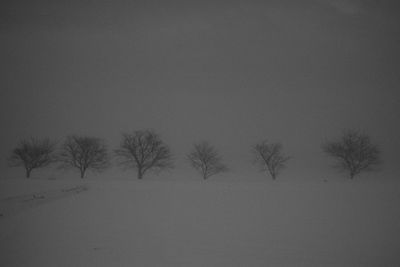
208 223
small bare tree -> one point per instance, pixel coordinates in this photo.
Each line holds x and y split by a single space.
270 158
32 154
84 153
205 159
144 151
354 153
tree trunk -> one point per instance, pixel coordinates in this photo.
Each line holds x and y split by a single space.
82 174
139 174
352 174
273 175
28 173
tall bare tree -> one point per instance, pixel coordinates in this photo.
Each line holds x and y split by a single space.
32 154
84 153
270 158
144 151
354 152
205 159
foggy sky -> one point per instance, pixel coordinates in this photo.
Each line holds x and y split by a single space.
229 72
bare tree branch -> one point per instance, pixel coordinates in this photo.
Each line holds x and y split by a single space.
205 159
32 154
144 151
270 158
354 153
84 153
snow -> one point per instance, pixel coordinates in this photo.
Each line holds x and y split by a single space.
202 223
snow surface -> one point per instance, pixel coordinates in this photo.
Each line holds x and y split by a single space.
201 223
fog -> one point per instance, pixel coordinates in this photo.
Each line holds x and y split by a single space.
232 73
229 72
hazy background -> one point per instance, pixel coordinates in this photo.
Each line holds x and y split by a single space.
229 72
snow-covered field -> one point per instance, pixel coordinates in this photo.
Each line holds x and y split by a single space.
199 223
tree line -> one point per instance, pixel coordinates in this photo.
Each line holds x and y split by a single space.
144 151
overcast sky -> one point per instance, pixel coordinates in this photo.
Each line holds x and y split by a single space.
229 72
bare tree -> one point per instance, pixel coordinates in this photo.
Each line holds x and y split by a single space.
32 154
144 151
270 158
354 152
205 159
84 153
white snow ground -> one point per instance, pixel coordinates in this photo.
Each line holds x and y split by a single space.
202 223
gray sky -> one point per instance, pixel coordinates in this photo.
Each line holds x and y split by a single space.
229 72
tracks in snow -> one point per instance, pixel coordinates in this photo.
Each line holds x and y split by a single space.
16 204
